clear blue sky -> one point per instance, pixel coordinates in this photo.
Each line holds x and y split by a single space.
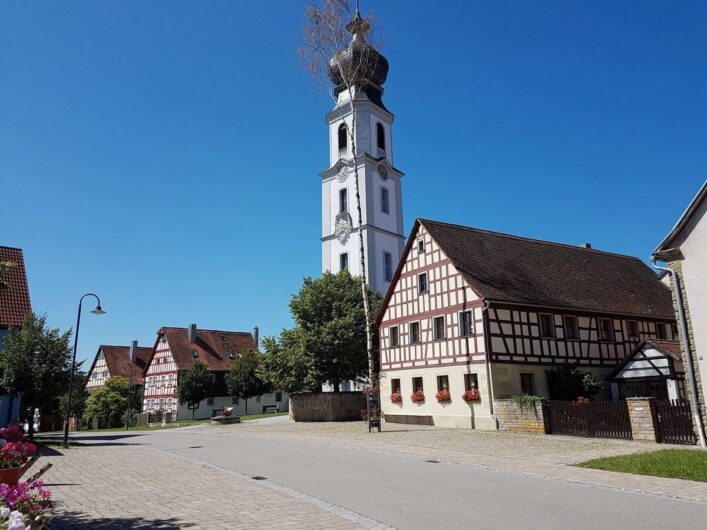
165 154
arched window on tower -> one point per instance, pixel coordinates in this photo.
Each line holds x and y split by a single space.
343 140
380 135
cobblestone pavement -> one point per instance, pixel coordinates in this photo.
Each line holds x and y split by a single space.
121 487
534 455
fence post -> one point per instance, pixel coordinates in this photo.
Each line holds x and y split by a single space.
640 412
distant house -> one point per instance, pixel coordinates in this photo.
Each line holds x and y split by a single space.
113 361
176 350
470 309
685 251
14 307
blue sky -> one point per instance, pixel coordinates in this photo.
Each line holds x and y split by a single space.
165 154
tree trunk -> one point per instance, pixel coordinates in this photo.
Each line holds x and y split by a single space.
30 423
337 386
193 413
246 406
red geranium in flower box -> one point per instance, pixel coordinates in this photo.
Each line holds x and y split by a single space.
443 396
418 396
396 397
471 395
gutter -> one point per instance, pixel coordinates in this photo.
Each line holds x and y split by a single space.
487 344
682 322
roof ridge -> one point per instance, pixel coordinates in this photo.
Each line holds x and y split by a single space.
211 330
528 239
11 248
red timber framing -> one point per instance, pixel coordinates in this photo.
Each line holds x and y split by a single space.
514 336
447 296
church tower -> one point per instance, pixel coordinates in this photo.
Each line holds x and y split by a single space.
379 181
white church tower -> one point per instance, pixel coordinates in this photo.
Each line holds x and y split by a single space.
379 180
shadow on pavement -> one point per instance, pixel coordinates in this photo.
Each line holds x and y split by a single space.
82 521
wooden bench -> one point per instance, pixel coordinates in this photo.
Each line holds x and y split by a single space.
271 408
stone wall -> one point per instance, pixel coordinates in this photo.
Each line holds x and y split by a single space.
327 406
514 417
639 410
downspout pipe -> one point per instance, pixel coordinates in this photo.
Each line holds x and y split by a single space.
487 342
682 322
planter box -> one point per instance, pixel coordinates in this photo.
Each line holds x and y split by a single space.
12 475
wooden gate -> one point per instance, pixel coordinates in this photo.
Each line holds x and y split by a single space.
672 420
599 419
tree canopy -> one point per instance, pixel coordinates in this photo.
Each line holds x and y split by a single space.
243 380
36 364
328 343
108 404
194 385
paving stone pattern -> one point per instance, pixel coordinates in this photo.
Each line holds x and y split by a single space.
117 487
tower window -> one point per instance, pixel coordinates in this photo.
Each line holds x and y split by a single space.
388 266
385 202
343 140
344 261
343 200
380 134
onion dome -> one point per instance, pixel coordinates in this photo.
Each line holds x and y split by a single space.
359 64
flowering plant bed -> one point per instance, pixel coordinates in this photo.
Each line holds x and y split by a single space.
21 506
16 454
418 397
443 396
471 395
396 397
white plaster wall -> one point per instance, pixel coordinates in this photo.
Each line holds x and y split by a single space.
457 413
694 269
255 405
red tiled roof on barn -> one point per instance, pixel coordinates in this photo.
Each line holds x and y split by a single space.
216 349
14 298
118 361
517 270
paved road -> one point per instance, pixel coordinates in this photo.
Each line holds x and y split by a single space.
409 493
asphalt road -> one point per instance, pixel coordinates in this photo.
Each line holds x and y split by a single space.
408 493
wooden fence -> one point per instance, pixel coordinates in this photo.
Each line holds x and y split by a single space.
672 420
599 419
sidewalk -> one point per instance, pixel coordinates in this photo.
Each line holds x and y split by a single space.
113 487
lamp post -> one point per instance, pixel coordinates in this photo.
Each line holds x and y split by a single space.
97 311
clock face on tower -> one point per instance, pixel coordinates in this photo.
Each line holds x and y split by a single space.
383 172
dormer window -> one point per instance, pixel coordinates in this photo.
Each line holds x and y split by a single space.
194 354
343 140
380 136
230 355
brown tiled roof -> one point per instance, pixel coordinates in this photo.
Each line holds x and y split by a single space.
669 347
14 301
507 268
212 346
118 361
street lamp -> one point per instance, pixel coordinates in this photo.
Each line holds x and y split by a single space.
96 311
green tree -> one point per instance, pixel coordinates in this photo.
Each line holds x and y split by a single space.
79 397
330 328
108 403
567 383
35 364
194 385
286 365
243 380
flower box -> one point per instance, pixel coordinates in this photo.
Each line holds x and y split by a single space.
12 475
418 397
396 397
472 395
443 396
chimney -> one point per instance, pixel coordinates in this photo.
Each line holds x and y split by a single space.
256 337
133 351
192 332
586 245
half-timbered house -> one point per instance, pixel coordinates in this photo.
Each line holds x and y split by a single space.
176 350
114 361
485 314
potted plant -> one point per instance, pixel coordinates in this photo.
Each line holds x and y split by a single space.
472 394
16 455
22 506
396 397
443 396
418 396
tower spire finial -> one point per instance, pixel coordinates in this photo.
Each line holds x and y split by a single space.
358 24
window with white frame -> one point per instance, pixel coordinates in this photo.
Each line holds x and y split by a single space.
414 332
466 323
420 246
438 328
387 266
394 336
422 283
385 202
